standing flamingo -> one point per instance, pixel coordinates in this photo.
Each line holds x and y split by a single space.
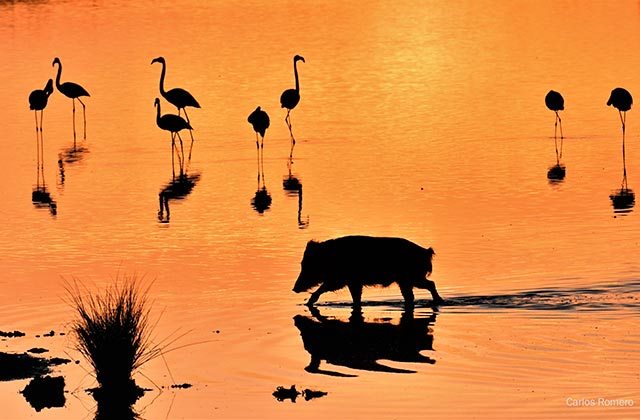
290 98
621 99
38 102
259 119
73 91
177 97
174 124
555 102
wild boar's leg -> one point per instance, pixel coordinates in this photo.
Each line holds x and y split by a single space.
430 286
356 294
315 295
407 294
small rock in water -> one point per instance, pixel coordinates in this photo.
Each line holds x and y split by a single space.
182 386
11 334
49 334
37 350
45 392
310 394
281 393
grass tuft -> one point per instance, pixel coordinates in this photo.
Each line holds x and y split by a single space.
113 333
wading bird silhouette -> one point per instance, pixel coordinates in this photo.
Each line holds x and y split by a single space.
38 102
177 97
174 124
290 98
555 102
73 91
621 99
259 119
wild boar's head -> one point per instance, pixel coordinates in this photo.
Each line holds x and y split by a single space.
310 267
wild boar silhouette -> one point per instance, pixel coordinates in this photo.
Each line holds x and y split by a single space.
358 261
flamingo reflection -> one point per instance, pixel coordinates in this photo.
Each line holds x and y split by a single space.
290 98
555 102
177 189
623 199
293 187
73 91
359 344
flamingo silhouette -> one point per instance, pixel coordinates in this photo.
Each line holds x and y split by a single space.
555 102
259 119
38 102
73 91
621 99
177 97
174 124
290 98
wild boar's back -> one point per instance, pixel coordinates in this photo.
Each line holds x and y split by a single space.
375 260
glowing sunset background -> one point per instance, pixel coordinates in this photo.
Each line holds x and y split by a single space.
422 120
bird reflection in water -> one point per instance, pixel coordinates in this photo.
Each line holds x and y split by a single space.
293 187
177 189
360 344
259 120
623 199
555 102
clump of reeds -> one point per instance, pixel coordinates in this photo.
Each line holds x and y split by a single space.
113 334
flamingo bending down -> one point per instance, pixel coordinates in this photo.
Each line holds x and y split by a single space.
174 124
73 91
555 102
38 101
290 98
621 99
259 119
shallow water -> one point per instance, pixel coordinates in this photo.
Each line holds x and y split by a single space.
418 120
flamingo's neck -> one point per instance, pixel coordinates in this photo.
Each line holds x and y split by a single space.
295 72
162 81
58 76
157 113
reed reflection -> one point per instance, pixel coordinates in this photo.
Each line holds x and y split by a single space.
259 120
73 91
359 344
176 189
623 199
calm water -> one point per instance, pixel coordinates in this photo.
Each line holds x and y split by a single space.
424 120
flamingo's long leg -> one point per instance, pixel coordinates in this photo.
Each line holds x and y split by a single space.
84 118
74 123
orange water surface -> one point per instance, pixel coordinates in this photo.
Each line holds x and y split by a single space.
418 119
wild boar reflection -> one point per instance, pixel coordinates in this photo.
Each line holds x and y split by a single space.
177 189
359 344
